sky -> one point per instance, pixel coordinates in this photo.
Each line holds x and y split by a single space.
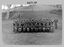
25 2
13 5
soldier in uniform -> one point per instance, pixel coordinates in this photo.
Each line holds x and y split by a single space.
49 23
48 20
55 22
43 22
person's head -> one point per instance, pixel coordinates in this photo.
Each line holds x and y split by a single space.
48 17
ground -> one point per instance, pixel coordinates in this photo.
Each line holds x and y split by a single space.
54 38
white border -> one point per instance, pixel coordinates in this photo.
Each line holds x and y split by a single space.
22 2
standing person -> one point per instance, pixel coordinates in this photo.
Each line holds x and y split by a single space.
55 22
49 21
19 16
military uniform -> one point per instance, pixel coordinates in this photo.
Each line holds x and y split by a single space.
55 22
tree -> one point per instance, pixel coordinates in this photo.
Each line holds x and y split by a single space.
9 6
35 2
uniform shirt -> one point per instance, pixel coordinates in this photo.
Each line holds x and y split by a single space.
55 21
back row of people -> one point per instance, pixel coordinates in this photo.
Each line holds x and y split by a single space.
44 22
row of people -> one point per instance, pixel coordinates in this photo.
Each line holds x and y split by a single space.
33 29
45 22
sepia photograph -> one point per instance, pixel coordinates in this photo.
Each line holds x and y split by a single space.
32 24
